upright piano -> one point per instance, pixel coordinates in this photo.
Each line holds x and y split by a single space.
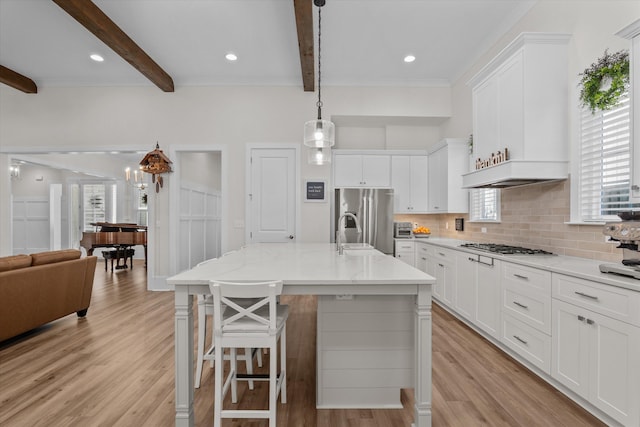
120 236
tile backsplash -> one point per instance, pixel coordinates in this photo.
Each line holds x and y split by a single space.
534 216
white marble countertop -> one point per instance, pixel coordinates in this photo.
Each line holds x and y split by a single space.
583 268
305 264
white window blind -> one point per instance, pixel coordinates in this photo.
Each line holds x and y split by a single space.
605 163
484 204
93 205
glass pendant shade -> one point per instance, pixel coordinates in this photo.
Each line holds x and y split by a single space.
319 133
319 155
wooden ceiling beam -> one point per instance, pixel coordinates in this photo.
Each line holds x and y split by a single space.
304 25
94 20
17 80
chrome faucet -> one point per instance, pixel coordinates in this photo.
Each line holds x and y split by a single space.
339 246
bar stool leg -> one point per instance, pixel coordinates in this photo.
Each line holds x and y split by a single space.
273 379
283 365
233 372
217 398
248 360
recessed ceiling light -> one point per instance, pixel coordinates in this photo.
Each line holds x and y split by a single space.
231 56
409 58
96 57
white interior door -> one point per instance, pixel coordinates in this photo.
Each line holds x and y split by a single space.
30 225
272 195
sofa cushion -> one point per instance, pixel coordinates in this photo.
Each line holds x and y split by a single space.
50 257
14 262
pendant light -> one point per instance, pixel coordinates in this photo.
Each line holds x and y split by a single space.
319 134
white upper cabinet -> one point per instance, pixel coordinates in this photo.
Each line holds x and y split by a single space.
520 102
448 160
409 182
361 170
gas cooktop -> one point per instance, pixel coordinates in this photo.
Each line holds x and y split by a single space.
505 249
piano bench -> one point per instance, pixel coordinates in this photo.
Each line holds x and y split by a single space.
117 255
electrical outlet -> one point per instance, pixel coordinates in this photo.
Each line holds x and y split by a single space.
483 229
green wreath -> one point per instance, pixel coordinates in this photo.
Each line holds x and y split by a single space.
605 81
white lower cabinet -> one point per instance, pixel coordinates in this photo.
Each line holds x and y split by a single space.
466 285
583 334
528 342
526 313
488 312
477 291
424 257
445 274
405 251
594 355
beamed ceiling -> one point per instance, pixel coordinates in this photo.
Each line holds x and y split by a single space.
170 43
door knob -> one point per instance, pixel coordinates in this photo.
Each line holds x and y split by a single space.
291 236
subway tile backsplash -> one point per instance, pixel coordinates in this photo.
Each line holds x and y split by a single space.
534 216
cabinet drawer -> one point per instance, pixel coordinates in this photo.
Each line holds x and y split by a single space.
402 245
424 249
444 254
534 310
528 280
617 303
528 342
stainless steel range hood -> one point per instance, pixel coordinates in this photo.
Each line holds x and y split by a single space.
513 173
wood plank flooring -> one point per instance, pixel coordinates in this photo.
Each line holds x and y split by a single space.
116 368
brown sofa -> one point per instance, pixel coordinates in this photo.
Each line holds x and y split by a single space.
39 288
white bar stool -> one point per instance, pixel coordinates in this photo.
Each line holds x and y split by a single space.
259 325
205 309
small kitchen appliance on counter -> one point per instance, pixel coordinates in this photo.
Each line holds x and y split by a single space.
627 233
402 230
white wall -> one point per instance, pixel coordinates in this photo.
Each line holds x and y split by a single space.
201 168
200 116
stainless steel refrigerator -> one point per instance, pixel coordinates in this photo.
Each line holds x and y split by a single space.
373 208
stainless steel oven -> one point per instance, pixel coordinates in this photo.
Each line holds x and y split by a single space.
402 230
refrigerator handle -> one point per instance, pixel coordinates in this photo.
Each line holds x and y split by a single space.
364 219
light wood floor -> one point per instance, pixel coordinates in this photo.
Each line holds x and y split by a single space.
116 368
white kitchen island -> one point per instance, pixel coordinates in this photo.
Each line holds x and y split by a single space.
307 269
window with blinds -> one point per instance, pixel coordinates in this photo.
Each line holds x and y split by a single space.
93 205
98 204
605 163
484 204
